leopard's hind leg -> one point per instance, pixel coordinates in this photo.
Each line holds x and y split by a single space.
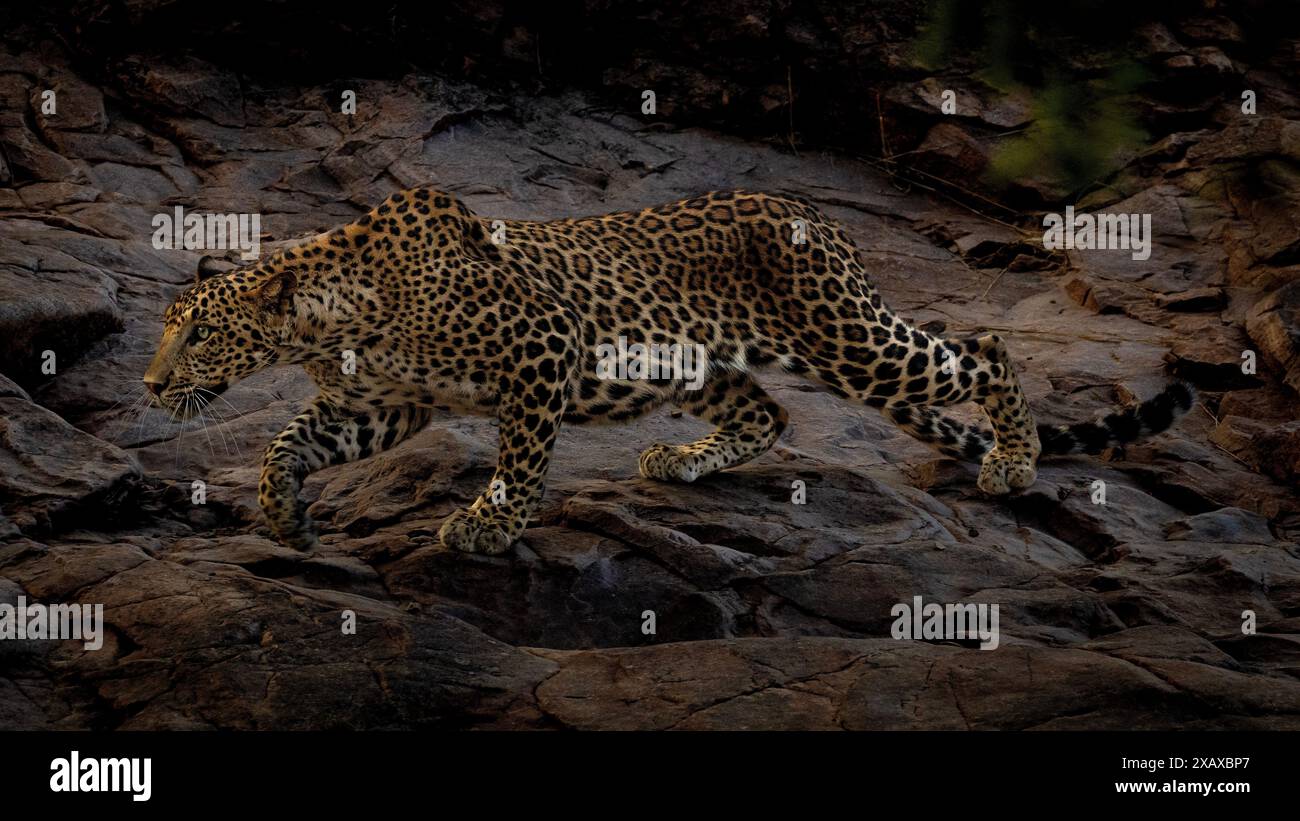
748 424
1012 462
891 366
950 436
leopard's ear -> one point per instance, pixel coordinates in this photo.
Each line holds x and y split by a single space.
209 267
275 296
477 238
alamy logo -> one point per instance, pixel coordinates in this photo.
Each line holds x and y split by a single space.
53 621
657 361
208 232
1101 232
75 774
946 622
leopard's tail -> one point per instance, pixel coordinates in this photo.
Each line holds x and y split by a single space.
1153 416
970 442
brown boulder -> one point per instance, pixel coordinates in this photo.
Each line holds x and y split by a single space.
53 476
1274 325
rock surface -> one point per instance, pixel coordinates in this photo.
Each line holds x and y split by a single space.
768 614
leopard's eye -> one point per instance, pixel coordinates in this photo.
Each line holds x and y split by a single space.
202 332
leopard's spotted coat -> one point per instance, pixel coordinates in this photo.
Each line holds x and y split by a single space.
440 315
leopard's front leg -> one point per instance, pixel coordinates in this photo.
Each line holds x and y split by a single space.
320 436
529 422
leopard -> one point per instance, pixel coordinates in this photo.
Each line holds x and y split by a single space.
441 309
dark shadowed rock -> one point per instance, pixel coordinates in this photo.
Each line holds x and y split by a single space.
1272 449
49 301
1274 325
53 475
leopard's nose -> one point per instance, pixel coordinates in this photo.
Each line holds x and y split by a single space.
155 385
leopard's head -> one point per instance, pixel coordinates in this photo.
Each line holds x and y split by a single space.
223 328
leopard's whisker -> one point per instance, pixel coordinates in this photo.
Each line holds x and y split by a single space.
180 438
222 422
120 423
203 422
134 394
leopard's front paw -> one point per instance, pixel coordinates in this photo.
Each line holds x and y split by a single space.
668 464
1003 470
471 531
301 535
290 524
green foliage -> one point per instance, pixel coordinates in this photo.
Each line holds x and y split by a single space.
1079 133
1082 123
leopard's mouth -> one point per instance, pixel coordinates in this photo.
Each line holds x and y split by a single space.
185 402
